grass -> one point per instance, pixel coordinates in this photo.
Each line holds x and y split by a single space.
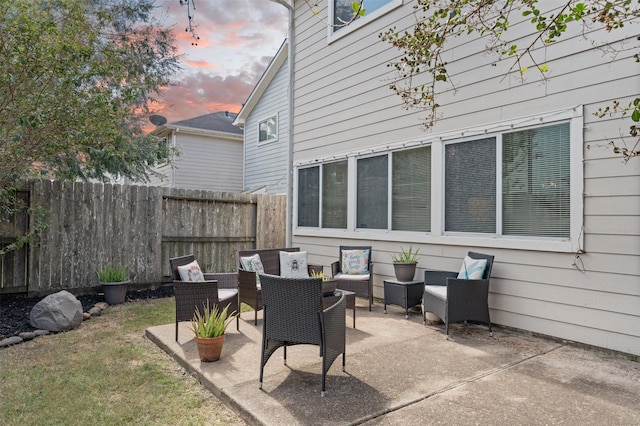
105 372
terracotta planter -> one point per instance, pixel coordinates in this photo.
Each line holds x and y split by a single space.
115 293
405 271
209 348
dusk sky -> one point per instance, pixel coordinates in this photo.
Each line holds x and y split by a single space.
238 38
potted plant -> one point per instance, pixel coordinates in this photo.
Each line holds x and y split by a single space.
404 263
209 329
115 281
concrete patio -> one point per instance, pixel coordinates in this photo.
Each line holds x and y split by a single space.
399 371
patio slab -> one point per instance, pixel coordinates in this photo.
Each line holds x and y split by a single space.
401 371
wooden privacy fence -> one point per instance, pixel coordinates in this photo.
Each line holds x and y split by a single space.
92 224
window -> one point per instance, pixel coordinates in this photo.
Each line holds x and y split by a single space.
534 178
517 184
334 195
309 197
411 190
536 182
341 11
470 186
332 206
373 179
268 129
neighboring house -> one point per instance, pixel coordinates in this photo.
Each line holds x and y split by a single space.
516 170
265 120
210 157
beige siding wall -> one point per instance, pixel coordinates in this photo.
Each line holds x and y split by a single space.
343 105
213 164
266 163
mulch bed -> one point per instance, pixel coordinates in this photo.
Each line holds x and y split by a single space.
15 309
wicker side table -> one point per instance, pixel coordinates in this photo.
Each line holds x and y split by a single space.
403 293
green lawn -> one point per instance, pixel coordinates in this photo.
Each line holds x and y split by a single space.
105 372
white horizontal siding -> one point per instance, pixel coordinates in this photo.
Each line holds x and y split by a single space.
213 164
266 164
343 104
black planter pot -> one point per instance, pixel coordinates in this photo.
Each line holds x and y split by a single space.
405 271
115 293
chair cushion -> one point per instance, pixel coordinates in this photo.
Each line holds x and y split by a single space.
472 269
191 272
294 264
355 262
253 264
227 293
352 277
439 291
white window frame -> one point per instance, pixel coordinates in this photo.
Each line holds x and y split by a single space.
333 34
574 116
277 136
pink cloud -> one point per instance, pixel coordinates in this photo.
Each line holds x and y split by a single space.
238 38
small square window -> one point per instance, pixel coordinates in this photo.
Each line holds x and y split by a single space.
268 129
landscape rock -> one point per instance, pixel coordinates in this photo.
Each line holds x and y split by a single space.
27 335
9 341
86 316
101 305
60 311
95 311
41 332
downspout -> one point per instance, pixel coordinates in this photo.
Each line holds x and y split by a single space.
289 224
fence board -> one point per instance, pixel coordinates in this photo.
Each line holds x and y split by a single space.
92 224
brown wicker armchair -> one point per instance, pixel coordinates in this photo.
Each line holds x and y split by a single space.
220 289
454 299
249 291
361 285
294 315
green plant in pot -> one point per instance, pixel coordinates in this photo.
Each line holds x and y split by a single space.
404 263
209 328
115 282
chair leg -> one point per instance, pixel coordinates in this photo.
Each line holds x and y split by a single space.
255 316
354 317
176 331
285 354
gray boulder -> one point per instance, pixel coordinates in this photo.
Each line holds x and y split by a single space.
57 312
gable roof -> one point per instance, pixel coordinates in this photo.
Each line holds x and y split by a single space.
216 123
267 76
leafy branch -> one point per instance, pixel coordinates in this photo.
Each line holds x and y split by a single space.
421 71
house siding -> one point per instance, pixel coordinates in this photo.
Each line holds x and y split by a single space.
199 166
266 163
343 106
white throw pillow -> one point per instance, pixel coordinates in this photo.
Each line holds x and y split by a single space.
191 272
355 262
472 269
294 264
253 264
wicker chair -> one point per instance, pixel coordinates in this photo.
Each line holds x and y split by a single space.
219 289
293 315
454 299
248 289
361 285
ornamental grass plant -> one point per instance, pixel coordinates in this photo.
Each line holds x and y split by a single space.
112 273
